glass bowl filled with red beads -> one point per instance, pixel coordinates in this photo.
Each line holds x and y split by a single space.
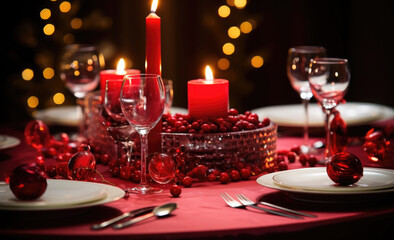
233 142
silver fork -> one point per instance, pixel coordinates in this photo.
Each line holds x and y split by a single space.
235 204
276 206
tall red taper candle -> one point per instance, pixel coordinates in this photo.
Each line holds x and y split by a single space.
153 42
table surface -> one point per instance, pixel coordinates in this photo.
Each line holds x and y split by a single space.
201 212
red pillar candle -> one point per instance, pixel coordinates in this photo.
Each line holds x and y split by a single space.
153 42
208 98
115 74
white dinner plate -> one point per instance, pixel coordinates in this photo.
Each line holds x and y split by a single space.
353 113
268 181
316 179
8 141
71 115
62 194
63 115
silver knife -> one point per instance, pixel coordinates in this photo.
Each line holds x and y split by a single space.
130 214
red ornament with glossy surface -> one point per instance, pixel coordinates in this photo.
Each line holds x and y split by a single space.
37 134
82 165
344 168
28 182
375 145
161 168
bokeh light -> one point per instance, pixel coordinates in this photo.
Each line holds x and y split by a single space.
32 102
49 29
76 23
234 32
228 48
48 73
257 61
58 98
45 14
65 7
240 3
27 74
230 2
223 64
224 11
246 27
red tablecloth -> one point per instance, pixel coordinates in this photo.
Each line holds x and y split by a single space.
201 212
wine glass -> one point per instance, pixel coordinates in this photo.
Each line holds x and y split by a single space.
329 80
112 117
297 67
142 99
80 70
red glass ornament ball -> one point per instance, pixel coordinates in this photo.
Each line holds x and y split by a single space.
82 165
37 134
344 168
28 182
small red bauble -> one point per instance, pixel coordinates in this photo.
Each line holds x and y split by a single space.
344 168
234 175
162 168
82 165
28 182
175 190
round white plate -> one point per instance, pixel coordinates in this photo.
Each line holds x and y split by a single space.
8 141
316 179
63 115
267 181
353 113
62 194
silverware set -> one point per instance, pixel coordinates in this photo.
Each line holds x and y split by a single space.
244 202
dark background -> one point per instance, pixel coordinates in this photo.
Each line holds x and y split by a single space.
192 37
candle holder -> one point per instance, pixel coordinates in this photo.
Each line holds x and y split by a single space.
224 151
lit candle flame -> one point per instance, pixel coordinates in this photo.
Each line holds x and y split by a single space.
154 6
208 74
121 66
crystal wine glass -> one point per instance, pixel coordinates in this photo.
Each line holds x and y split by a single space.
329 80
80 71
297 67
142 100
112 117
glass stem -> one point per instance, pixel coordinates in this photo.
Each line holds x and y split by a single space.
144 153
81 103
306 123
327 153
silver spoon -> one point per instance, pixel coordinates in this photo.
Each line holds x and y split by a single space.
159 211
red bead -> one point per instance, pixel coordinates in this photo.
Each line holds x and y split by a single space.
282 166
303 159
312 161
136 176
224 178
234 175
206 128
28 182
187 181
212 177
245 173
175 190
233 112
51 171
344 168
